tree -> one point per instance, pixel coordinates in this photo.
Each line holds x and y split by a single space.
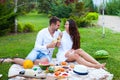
61 11
89 5
70 1
2 1
78 9
44 6
113 7
7 17
25 6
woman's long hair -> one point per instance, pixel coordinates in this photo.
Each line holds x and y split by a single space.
74 33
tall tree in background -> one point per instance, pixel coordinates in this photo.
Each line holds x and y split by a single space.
2 1
70 1
89 5
44 6
25 6
78 9
62 10
7 17
113 7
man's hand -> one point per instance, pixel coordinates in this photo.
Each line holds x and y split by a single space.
52 44
55 43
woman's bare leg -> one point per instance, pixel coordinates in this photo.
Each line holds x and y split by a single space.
81 60
86 56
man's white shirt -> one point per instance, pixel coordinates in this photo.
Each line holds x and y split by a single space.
43 39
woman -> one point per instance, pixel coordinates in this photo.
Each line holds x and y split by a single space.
70 47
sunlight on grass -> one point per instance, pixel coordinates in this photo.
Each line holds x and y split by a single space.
38 20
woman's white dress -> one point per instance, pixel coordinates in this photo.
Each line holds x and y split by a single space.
66 44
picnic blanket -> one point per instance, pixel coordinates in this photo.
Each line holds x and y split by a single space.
94 74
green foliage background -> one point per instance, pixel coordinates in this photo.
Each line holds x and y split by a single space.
113 7
7 17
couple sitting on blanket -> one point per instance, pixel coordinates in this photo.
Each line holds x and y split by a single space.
68 43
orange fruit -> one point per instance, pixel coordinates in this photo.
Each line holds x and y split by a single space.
57 73
63 63
62 69
27 64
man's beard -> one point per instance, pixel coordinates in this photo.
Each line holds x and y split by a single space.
56 29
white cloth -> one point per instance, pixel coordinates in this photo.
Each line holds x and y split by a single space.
14 70
44 38
66 44
94 74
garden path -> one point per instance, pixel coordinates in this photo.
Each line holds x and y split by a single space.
111 22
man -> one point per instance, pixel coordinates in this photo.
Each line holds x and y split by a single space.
44 45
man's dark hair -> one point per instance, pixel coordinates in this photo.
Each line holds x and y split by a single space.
54 19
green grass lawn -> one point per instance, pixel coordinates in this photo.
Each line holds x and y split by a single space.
38 20
91 41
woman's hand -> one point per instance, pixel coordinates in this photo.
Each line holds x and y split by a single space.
59 40
58 43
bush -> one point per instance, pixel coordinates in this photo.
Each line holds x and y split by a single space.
92 16
19 28
118 13
28 27
49 15
81 22
4 32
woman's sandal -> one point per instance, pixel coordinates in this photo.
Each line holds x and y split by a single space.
1 60
5 60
